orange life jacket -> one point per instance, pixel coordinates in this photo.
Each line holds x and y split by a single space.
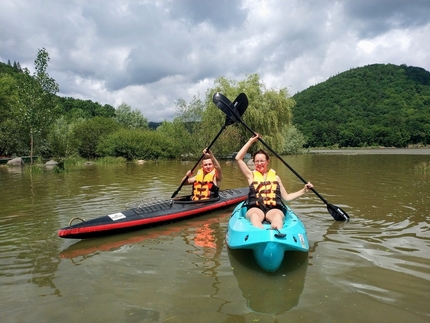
265 191
204 187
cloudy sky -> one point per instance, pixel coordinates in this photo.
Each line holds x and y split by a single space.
150 53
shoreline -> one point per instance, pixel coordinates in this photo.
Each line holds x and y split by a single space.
372 151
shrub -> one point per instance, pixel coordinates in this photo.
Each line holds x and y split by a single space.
136 144
294 140
89 133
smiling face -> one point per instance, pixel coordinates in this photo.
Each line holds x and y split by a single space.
207 165
261 162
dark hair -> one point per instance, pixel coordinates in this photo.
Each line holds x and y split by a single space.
207 156
260 151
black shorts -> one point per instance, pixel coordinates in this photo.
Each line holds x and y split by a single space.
265 208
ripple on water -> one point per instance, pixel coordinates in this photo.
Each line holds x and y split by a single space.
398 246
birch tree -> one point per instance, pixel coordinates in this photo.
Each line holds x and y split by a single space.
36 108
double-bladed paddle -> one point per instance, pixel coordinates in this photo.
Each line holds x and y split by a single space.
224 104
237 108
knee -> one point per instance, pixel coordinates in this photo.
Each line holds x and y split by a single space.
254 216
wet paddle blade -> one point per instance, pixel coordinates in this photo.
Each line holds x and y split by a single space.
337 213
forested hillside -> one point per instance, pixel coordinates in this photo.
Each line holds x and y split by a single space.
35 121
375 105
69 107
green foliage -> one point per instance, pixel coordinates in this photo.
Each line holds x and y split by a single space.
374 105
77 109
227 142
8 95
11 139
190 114
9 69
61 139
294 141
90 132
180 139
35 109
130 119
193 131
11 132
73 160
136 144
269 111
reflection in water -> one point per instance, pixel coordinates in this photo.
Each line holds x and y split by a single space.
270 293
135 314
202 238
378 262
88 248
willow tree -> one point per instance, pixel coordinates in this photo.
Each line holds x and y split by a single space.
268 113
130 119
36 108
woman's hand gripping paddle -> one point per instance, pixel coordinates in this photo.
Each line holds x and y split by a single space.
224 105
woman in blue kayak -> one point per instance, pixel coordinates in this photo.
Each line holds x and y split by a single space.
266 192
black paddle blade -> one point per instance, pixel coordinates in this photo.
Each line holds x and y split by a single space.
221 101
224 104
239 105
337 213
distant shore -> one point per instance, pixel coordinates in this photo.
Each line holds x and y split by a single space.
373 151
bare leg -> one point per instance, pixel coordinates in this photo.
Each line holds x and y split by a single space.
256 216
276 218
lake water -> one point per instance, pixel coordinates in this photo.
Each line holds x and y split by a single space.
374 268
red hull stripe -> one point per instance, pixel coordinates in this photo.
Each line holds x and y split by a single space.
141 222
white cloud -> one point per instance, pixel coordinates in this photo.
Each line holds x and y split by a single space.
149 54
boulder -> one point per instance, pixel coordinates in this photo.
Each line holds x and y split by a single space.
16 162
51 163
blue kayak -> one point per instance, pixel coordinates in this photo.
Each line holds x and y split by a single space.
268 245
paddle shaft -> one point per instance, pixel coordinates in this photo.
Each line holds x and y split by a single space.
203 155
240 104
269 148
283 161
337 213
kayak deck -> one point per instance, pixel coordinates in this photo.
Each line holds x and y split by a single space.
149 213
268 245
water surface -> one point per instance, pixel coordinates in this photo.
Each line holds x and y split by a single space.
374 268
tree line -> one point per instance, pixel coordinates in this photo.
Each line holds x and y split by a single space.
35 121
375 105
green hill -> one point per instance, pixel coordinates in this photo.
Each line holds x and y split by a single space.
69 107
375 105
